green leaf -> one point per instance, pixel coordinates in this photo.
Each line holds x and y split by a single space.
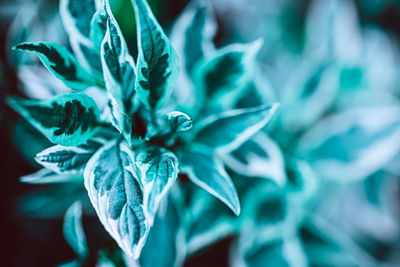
166 233
157 63
158 171
46 176
259 156
223 75
228 130
73 230
77 19
117 195
60 62
207 171
68 120
119 75
67 160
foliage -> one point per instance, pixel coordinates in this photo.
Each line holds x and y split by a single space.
187 142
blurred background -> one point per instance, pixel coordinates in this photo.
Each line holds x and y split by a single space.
334 67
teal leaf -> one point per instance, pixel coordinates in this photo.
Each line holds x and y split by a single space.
208 222
327 245
77 19
309 93
352 144
98 26
53 200
158 169
73 230
268 206
119 75
259 156
67 160
104 260
228 130
207 171
193 34
117 196
224 74
60 62
277 251
166 233
68 120
192 37
46 176
157 63
74 263
179 122
28 140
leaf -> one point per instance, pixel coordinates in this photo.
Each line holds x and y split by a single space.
207 171
46 176
104 260
285 251
192 36
259 156
228 130
208 222
77 19
166 233
309 93
98 26
119 75
51 201
73 230
117 195
269 207
193 33
326 245
352 144
28 140
223 75
74 263
60 62
157 63
68 120
179 122
67 160
158 171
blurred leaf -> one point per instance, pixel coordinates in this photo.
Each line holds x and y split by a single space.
259 156
228 130
352 144
73 230
46 176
